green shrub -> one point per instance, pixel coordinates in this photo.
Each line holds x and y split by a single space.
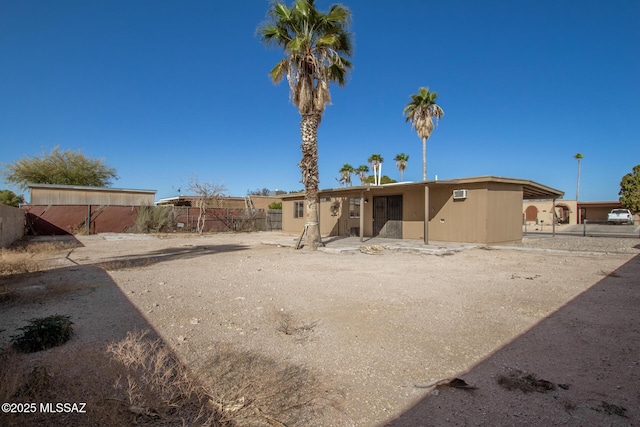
43 333
153 219
276 206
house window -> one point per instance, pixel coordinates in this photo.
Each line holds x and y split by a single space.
354 207
298 209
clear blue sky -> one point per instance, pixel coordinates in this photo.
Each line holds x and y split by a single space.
167 90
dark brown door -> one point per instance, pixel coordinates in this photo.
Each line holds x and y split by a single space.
387 216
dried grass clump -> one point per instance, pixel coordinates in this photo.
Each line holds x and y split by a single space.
21 257
286 323
51 247
16 262
125 264
250 389
155 386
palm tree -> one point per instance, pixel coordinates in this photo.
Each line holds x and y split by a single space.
578 157
420 112
316 47
362 173
345 173
376 166
401 163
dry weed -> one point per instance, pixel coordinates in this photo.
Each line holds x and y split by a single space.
286 324
250 389
16 262
32 247
155 386
23 256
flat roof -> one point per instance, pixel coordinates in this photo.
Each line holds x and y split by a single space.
88 188
531 190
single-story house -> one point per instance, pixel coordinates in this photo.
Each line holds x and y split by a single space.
252 202
486 209
571 212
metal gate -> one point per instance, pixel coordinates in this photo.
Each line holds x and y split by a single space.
387 216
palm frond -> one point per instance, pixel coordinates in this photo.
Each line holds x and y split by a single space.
316 46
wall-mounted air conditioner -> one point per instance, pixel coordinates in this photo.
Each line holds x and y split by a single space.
459 194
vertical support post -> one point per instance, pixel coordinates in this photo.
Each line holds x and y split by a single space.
553 219
319 223
362 215
88 219
426 213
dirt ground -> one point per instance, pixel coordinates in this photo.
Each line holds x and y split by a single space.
542 336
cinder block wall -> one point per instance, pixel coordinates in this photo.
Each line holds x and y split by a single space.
11 225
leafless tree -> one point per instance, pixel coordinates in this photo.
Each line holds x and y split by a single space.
209 195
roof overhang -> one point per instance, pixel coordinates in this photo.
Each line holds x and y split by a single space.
531 190
87 188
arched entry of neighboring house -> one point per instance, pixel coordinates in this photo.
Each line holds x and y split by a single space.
531 214
563 213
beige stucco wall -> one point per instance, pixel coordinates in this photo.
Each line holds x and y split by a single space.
11 225
504 205
289 223
491 213
458 220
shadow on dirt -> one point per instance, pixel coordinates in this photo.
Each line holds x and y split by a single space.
123 376
586 355
169 254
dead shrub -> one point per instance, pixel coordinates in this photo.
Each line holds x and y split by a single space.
154 385
286 324
250 389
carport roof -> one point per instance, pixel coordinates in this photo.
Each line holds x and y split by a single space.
88 188
531 190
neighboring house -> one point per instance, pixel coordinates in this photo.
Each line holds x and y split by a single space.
253 202
538 212
484 209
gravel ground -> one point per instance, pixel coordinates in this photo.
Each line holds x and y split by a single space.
373 327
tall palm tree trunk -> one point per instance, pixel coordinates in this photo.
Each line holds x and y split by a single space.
578 184
424 159
309 168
